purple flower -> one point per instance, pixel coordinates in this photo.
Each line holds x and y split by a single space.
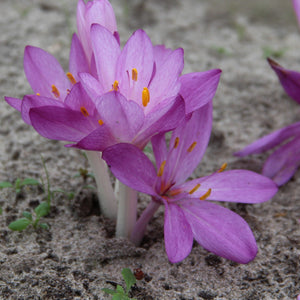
285 160
187 215
296 4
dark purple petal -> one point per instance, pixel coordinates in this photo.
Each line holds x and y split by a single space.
198 89
221 231
58 123
283 163
271 140
178 233
290 80
42 71
233 186
16 103
131 166
78 62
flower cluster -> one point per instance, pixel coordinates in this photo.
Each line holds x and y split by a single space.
113 100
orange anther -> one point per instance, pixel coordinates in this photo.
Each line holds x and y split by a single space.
145 96
115 86
192 146
71 78
134 74
194 189
161 169
223 167
206 195
176 142
55 91
84 111
100 122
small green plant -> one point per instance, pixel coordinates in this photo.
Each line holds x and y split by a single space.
269 52
119 293
18 184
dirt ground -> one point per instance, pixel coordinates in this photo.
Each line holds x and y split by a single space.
78 255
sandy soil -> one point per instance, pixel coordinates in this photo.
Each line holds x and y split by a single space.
78 255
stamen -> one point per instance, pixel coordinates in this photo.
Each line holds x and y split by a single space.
206 195
38 94
115 86
161 169
174 192
223 167
191 148
100 122
145 96
134 74
176 142
194 189
55 91
71 78
84 111
68 91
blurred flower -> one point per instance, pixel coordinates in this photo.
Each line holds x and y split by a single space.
187 215
285 160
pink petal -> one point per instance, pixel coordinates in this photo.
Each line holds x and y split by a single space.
131 166
271 140
91 85
178 234
16 103
221 231
198 89
284 162
233 186
42 71
296 4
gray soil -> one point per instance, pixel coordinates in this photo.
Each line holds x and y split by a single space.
78 255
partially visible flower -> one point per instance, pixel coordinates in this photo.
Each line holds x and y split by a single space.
285 160
296 4
187 215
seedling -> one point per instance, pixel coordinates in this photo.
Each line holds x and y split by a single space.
119 293
269 52
18 184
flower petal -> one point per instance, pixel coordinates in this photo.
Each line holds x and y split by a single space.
16 103
106 50
283 163
221 231
271 140
296 4
290 80
178 233
233 186
131 166
42 71
91 85
198 89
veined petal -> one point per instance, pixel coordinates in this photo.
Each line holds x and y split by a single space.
91 85
78 62
106 50
137 54
43 71
283 163
160 150
131 166
58 123
177 233
198 89
221 231
290 80
16 103
233 186
271 140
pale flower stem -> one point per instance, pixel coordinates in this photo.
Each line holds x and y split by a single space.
127 202
141 225
106 196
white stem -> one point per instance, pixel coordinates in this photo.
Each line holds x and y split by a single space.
107 200
127 202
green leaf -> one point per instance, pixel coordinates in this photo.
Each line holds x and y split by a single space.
71 195
42 210
120 289
44 226
1 210
5 184
108 291
27 215
119 297
17 183
29 181
129 278
19 224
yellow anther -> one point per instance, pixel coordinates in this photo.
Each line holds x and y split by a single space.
55 91
38 94
115 86
176 143
194 189
134 74
145 96
84 111
71 78
223 167
191 148
100 122
174 192
161 169
206 195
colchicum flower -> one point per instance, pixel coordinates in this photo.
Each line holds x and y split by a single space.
187 215
285 160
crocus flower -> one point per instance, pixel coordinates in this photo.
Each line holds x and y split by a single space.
187 215
285 160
